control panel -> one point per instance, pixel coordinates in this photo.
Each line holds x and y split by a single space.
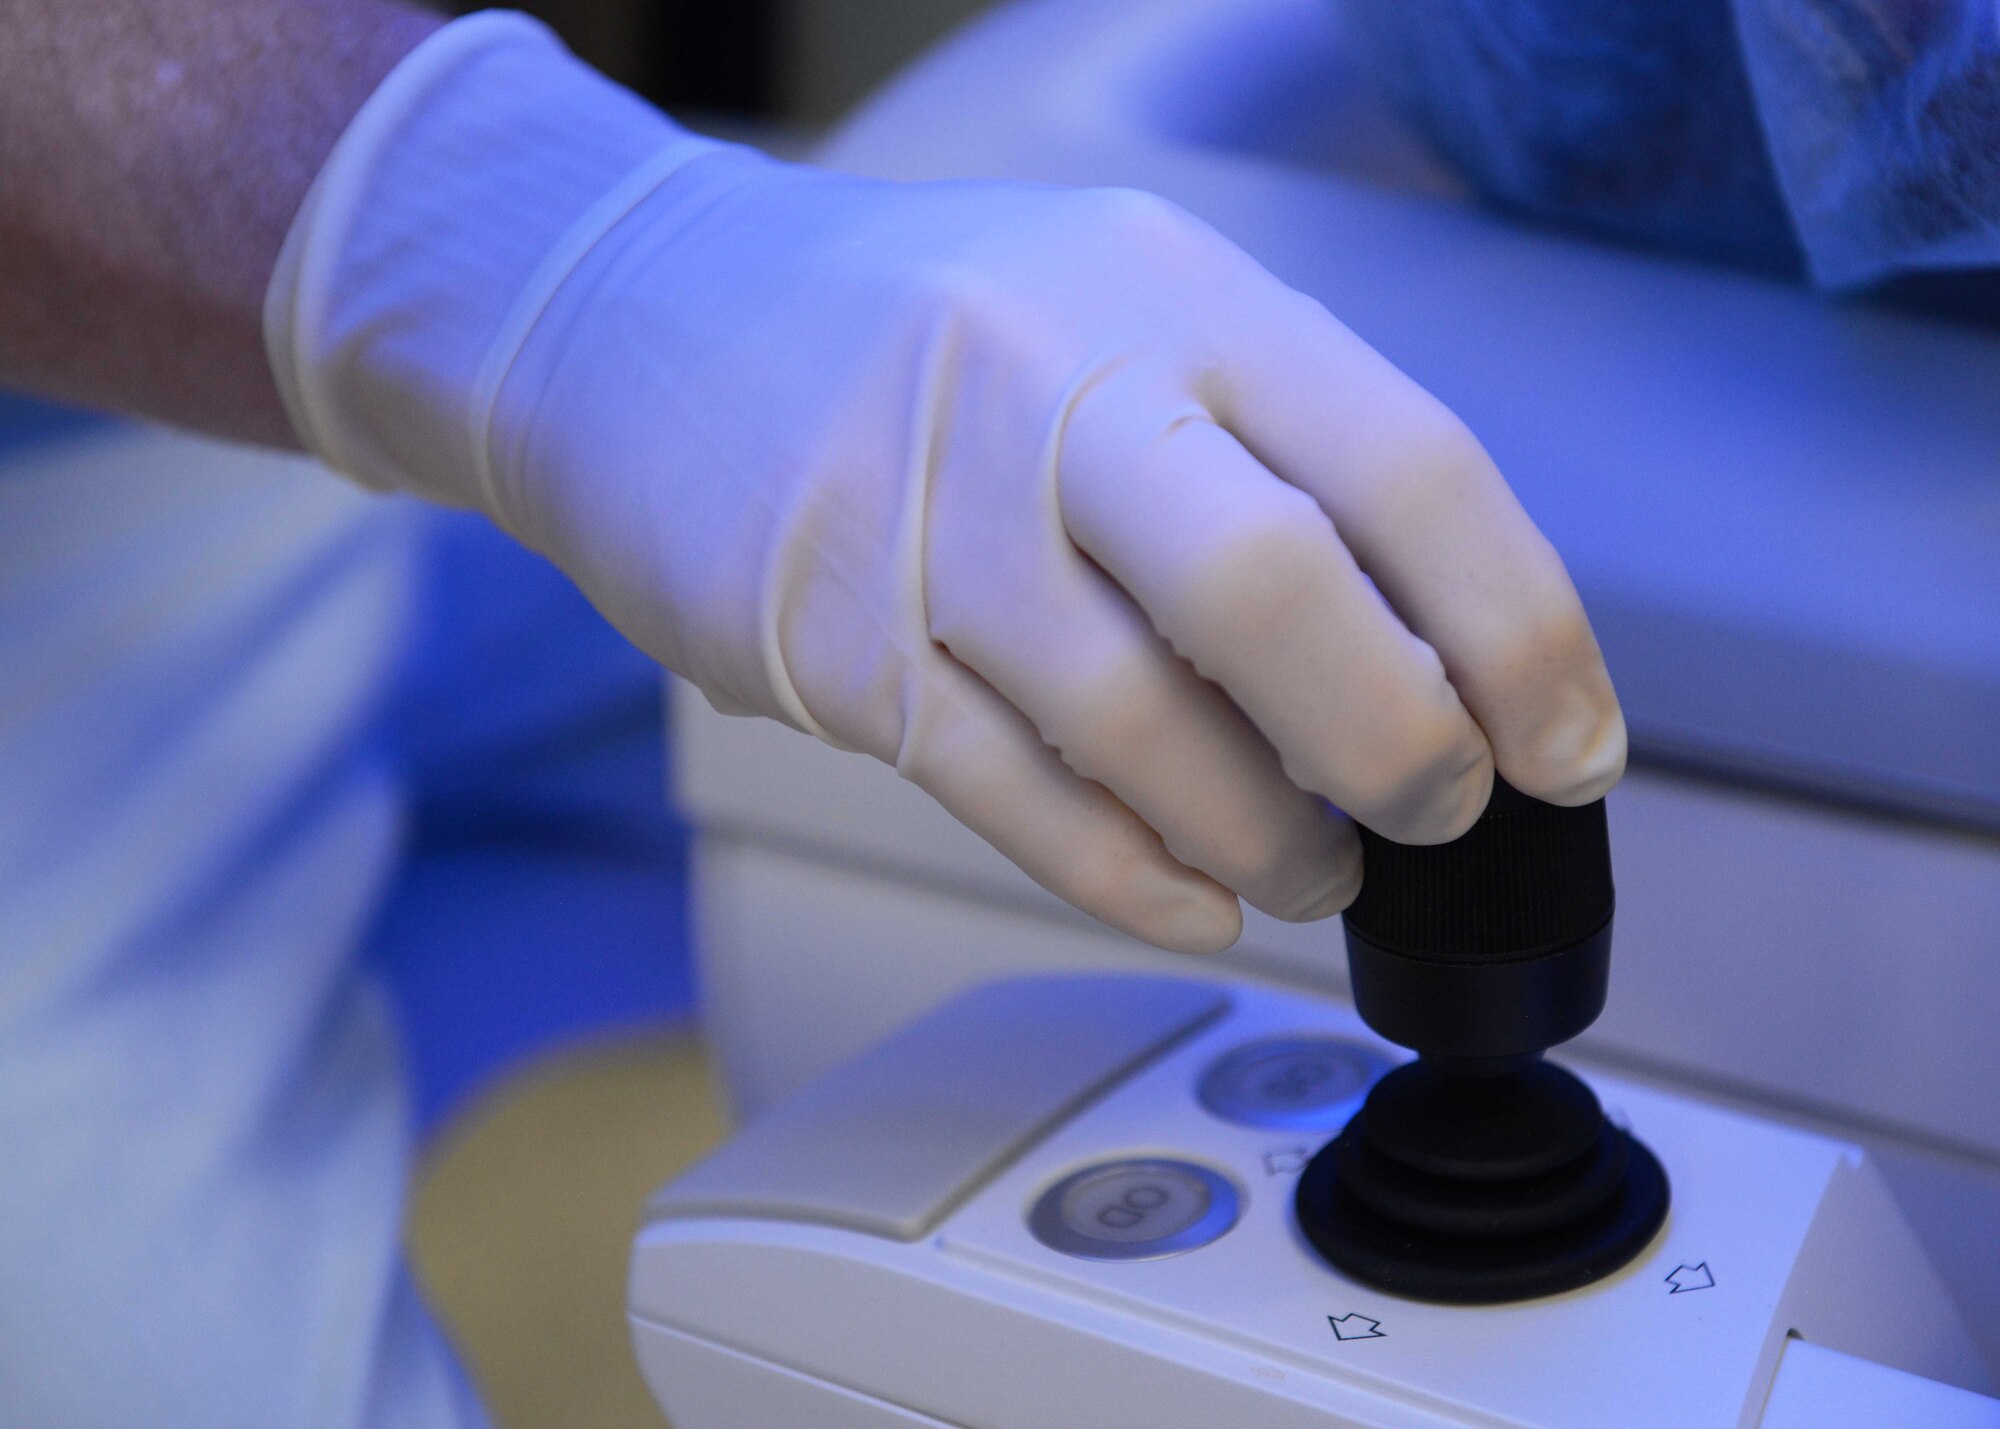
1060 1201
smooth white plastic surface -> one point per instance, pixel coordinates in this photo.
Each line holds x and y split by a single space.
1817 1387
865 1148
725 1387
1772 1232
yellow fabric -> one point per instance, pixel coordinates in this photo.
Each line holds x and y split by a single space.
523 1216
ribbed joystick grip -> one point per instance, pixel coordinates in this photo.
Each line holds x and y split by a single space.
1528 878
1492 947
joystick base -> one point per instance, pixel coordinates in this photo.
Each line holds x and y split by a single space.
1418 1196
1455 1270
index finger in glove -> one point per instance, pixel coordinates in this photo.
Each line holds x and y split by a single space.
1247 578
1429 517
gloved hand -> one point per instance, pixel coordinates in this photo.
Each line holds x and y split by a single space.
1053 499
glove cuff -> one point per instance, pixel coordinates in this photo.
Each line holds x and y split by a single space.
471 181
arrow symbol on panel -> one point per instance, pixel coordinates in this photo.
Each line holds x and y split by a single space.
1691 1277
1356 1327
1288 1162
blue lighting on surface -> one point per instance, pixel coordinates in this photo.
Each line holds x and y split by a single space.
25 421
543 894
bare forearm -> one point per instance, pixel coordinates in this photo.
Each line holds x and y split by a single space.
152 154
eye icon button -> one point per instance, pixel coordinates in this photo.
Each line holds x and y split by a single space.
1291 1083
1138 1209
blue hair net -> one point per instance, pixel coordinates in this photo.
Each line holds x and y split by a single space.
1853 139
1883 121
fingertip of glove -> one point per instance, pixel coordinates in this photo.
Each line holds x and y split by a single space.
1436 811
1335 898
1194 921
1578 769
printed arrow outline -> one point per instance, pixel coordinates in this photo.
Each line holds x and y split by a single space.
1271 1159
1373 1332
1700 1268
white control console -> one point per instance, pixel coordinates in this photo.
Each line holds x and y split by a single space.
1067 1201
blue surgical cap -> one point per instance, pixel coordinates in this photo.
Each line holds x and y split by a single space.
1853 140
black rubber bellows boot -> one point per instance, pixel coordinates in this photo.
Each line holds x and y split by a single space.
1472 1190
1479 1173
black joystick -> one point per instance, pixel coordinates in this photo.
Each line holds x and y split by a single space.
1480 1173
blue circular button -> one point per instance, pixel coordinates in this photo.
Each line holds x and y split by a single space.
1292 1083
1139 1209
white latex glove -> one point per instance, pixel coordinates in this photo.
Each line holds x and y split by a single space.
1053 499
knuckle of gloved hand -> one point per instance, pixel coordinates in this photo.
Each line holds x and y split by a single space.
1134 221
952 283
1007 315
